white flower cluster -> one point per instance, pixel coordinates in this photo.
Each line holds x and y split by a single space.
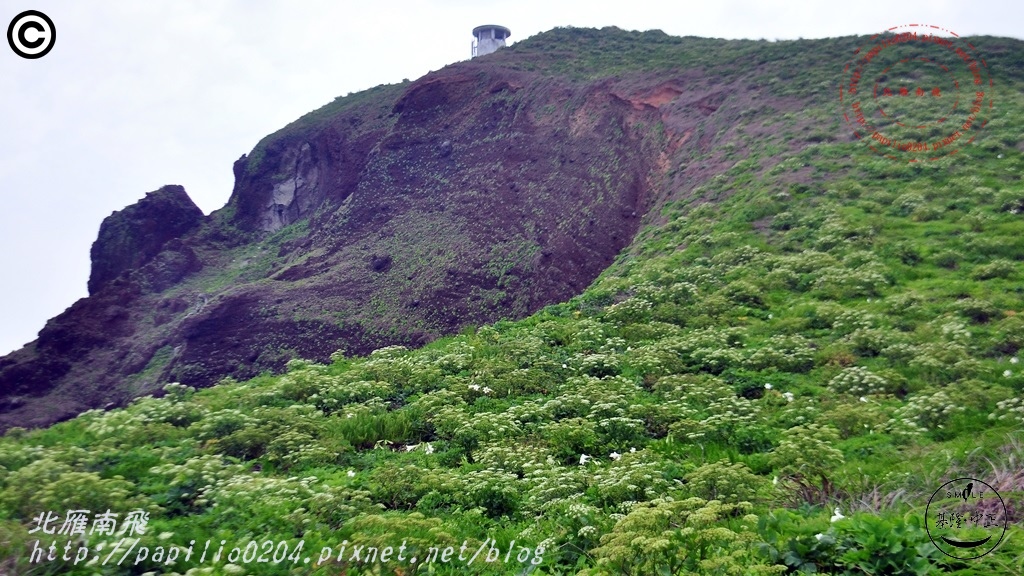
242 492
631 478
956 331
115 423
845 321
597 364
906 203
293 448
1009 409
459 358
549 484
614 345
702 276
510 457
741 255
529 413
782 276
678 292
694 391
710 349
589 335
783 352
335 393
940 361
847 283
857 381
621 429
395 365
903 429
835 231
388 352
806 262
221 423
14 457
648 359
629 310
171 409
432 402
929 410
871 341
200 475
524 347
724 416
487 484
455 423
900 352
908 302
797 412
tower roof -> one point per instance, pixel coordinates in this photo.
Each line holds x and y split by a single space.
479 29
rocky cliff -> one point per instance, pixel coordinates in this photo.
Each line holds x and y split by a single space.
482 191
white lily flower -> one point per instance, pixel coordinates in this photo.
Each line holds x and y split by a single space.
351 474
1007 373
838 515
788 396
767 386
487 390
429 449
1014 360
863 399
615 455
411 447
474 386
819 536
584 459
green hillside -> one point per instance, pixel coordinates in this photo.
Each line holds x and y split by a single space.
811 329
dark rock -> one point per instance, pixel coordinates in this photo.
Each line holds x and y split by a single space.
130 238
380 263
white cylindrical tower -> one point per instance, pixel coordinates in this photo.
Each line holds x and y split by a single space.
489 38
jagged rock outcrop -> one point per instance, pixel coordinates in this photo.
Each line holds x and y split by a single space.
132 237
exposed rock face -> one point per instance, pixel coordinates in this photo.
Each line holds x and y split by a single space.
297 194
131 237
482 191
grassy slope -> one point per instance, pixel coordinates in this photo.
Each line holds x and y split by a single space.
884 298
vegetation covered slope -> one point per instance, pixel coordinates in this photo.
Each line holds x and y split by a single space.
810 327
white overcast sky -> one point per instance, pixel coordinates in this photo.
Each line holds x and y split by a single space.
135 95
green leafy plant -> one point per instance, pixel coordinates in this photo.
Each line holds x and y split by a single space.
889 545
